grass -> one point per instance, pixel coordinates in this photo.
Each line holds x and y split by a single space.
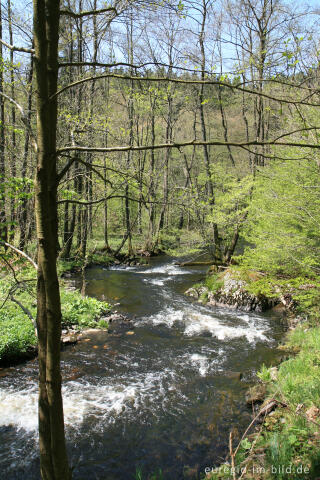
214 282
292 436
290 440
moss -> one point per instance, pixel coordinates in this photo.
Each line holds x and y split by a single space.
204 297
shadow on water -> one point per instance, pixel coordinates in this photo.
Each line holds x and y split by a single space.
161 398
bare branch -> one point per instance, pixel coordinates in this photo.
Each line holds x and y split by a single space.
185 82
20 252
87 13
186 69
17 49
24 119
217 143
109 197
94 202
25 310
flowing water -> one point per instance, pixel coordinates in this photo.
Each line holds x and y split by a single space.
164 397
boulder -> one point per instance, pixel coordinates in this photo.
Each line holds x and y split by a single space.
69 339
232 294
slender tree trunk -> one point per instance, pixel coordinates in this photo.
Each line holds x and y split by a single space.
186 169
169 134
53 455
221 107
13 122
149 241
70 219
106 233
210 189
67 246
3 218
129 155
79 106
23 217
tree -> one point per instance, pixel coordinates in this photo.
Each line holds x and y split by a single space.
3 219
53 455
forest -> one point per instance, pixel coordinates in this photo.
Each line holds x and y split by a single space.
162 139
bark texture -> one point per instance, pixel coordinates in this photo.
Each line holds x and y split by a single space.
53 456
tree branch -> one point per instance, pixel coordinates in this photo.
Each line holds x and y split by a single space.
25 310
24 119
109 197
217 143
87 13
185 69
20 252
185 82
17 49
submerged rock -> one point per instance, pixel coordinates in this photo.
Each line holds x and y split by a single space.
234 375
120 325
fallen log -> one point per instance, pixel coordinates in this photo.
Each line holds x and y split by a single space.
193 264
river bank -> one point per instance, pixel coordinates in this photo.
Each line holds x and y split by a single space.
284 438
18 341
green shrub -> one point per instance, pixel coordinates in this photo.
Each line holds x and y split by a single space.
82 311
17 334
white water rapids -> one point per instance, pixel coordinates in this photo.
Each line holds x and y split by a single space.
141 387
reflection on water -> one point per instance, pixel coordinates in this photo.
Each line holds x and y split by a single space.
161 398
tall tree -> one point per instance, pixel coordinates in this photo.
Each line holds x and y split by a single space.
3 219
53 455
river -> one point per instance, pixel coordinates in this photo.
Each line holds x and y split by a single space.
164 397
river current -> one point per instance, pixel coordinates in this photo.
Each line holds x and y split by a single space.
164 397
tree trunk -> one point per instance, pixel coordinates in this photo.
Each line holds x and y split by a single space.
13 122
149 240
129 155
23 217
210 189
53 455
3 218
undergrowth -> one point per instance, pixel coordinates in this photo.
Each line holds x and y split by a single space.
17 332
